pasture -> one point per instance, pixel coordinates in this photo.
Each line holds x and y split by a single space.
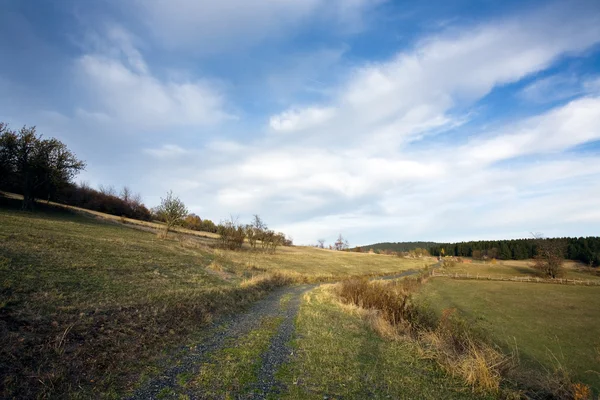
517 268
548 325
89 305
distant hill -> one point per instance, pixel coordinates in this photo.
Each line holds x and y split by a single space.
400 246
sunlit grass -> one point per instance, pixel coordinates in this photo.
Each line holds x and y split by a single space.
548 324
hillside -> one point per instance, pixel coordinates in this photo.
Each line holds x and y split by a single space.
400 246
88 304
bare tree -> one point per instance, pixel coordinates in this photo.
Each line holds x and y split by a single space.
172 211
341 243
550 255
231 234
126 194
321 243
107 190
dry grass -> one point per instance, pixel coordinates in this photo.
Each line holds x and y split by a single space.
554 328
479 364
310 264
86 307
155 226
519 268
390 311
337 355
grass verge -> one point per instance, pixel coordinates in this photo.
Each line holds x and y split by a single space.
338 355
234 369
554 328
86 306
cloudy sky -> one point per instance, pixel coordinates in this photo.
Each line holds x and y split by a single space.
382 120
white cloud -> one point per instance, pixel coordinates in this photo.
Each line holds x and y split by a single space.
559 87
576 123
122 88
297 120
417 90
167 151
205 26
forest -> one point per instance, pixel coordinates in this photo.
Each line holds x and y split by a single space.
399 246
584 249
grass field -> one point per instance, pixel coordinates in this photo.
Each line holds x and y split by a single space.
549 324
88 305
322 264
338 355
518 268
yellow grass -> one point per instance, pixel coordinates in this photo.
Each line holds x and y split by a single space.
108 217
517 268
313 263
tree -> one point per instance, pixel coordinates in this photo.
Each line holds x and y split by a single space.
35 166
321 243
192 221
341 243
231 234
550 255
172 211
126 194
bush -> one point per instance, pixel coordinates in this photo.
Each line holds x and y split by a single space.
231 235
447 340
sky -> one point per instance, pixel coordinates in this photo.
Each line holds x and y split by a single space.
380 120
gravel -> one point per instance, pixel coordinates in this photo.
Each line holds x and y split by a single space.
231 328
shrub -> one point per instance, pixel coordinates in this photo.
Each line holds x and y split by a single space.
231 235
447 340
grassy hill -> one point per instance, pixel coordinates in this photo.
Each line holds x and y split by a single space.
399 246
88 304
551 327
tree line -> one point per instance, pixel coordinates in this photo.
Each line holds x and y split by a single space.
398 247
584 249
44 169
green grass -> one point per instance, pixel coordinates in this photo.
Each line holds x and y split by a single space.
312 264
516 268
338 355
233 370
88 305
548 323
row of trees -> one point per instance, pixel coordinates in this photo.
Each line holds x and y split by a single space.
341 244
584 249
33 166
40 168
232 235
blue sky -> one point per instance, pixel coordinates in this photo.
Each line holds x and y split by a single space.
382 120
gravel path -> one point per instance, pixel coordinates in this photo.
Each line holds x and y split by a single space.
279 350
234 327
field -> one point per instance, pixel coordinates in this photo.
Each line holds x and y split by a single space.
338 355
90 305
549 324
517 268
94 306
322 264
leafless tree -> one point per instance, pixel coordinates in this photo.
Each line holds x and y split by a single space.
341 243
321 243
550 255
107 190
126 194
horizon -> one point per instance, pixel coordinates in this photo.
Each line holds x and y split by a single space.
379 120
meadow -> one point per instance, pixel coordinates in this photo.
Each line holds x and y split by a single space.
339 355
551 327
89 305
517 268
